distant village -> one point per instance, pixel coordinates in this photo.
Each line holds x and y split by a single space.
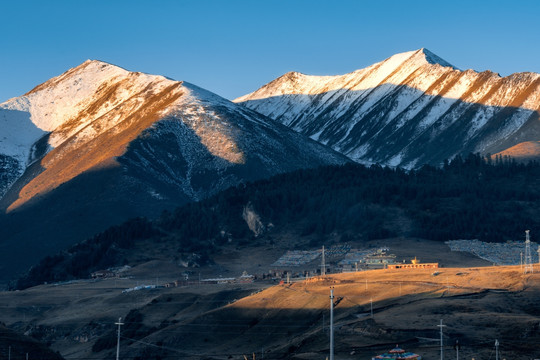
296 265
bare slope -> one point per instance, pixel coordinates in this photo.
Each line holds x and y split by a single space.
410 109
478 305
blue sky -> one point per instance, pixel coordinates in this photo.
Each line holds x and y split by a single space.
234 47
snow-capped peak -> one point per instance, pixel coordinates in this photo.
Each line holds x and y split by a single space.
409 60
434 59
80 95
390 111
70 104
61 98
392 69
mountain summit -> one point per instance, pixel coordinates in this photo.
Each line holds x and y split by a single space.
410 109
99 144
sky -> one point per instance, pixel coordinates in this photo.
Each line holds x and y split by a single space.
234 47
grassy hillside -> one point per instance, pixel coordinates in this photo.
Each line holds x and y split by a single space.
16 346
478 305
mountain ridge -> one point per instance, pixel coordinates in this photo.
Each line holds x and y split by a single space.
365 113
95 98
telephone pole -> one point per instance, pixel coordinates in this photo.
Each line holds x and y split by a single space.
457 347
331 323
496 349
119 323
528 257
442 350
323 265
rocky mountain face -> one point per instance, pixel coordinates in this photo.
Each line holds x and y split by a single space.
410 109
99 144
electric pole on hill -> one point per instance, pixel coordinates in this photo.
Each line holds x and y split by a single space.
457 347
119 323
331 323
528 257
323 265
442 350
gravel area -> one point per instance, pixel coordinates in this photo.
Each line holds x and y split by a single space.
508 253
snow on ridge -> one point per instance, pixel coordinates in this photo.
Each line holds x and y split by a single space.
18 134
435 59
205 95
392 70
299 83
61 100
412 95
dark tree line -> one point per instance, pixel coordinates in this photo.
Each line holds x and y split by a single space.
99 252
467 198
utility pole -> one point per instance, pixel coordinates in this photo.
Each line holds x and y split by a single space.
323 265
496 349
442 350
528 257
332 323
119 323
457 346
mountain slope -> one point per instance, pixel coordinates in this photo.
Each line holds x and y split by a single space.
17 346
409 109
315 207
99 144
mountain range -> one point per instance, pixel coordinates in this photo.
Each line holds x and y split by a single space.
410 109
99 144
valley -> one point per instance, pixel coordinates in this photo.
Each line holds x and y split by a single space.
227 321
